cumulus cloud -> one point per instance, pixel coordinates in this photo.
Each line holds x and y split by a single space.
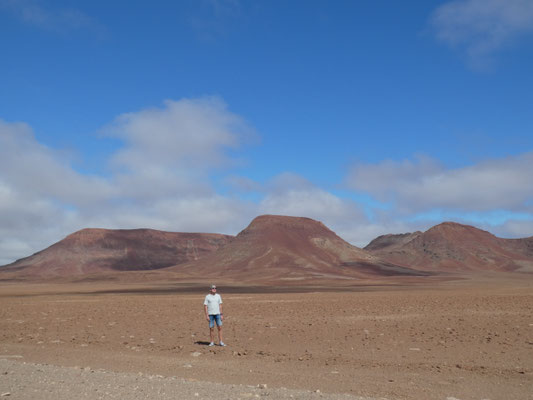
159 178
290 194
39 171
187 132
169 151
424 184
514 228
39 192
482 27
293 195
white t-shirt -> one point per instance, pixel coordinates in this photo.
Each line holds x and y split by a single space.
213 302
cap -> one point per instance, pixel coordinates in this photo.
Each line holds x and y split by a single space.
213 286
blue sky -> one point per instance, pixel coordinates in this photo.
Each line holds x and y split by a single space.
374 117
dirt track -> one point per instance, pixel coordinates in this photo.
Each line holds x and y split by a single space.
456 341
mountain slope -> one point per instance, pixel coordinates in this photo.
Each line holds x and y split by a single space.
455 247
281 248
93 251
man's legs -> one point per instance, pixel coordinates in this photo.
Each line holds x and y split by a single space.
212 334
219 334
218 320
212 329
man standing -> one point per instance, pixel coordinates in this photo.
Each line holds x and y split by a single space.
213 313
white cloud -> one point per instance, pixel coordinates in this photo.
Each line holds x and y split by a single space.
495 195
170 151
39 171
189 132
290 194
423 185
313 203
513 228
161 178
38 193
243 184
482 27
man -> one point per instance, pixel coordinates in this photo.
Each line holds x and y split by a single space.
213 313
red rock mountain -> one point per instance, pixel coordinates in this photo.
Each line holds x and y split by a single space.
283 249
271 250
455 247
391 242
93 251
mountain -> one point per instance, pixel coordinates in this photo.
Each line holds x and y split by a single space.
277 248
274 250
454 247
96 251
391 242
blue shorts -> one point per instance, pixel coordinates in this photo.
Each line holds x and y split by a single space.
213 318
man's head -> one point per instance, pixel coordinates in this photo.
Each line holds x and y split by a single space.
213 288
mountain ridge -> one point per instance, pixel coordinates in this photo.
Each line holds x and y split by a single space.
451 247
273 248
284 249
95 250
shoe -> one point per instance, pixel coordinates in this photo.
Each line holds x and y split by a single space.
222 344
211 344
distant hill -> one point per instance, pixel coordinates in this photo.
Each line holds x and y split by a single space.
274 250
454 247
283 249
94 251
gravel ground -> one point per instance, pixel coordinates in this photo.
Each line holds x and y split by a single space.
457 341
22 380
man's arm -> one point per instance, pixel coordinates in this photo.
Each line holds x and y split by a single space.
221 315
206 314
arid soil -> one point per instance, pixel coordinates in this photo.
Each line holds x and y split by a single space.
458 340
22 380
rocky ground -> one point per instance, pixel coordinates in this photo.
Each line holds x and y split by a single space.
453 341
21 380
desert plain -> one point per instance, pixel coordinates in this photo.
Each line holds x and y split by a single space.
454 339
